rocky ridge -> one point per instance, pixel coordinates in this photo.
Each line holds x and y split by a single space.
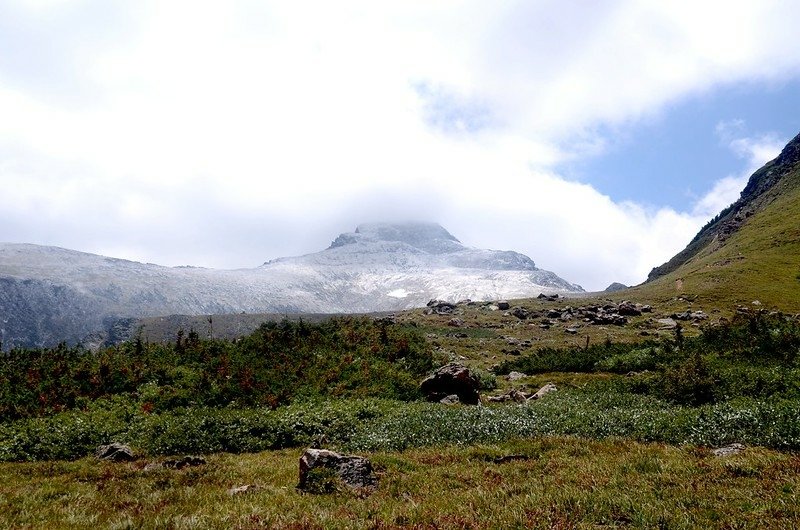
51 294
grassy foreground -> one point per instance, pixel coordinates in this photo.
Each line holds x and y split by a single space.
557 483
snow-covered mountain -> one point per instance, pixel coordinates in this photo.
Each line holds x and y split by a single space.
50 294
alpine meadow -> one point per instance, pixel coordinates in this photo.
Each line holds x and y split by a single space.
320 265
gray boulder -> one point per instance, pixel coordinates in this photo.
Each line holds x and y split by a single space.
452 379
115 452
628 309
354 471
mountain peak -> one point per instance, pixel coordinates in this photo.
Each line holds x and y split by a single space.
430 237
409 232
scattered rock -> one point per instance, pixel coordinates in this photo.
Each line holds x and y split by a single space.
456 323
502 305
115 452
515 376
440 307
728 450
510 458
548 298
185 461
667 323
571 331
238 490
520 312
511 395
354 471
453 378
546 389
687 315
628 309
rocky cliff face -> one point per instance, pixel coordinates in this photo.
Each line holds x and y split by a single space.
50 294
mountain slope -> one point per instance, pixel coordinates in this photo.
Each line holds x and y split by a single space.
50 294
750 251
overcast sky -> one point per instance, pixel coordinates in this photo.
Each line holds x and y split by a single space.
595 137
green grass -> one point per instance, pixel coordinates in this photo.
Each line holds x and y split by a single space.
560 483
758 262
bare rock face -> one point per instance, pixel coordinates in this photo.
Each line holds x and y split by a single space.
353 471
115 452
452 379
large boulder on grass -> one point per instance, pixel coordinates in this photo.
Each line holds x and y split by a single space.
453 378
115 452
352 471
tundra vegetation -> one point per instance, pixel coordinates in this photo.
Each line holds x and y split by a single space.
625 441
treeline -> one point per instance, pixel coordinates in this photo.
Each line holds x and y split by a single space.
278 363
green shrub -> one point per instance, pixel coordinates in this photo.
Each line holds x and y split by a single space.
633 360
278 363
487 381
690 382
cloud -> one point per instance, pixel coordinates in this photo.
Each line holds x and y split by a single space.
225 134
754 151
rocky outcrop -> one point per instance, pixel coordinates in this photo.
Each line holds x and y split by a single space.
452 379
518 396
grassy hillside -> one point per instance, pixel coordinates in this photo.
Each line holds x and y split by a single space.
750 252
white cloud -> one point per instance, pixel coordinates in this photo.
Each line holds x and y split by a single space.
754 151
224 134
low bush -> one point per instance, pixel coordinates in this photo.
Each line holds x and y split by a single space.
381 425
278 363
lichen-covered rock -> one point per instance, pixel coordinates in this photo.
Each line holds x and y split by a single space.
353 471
